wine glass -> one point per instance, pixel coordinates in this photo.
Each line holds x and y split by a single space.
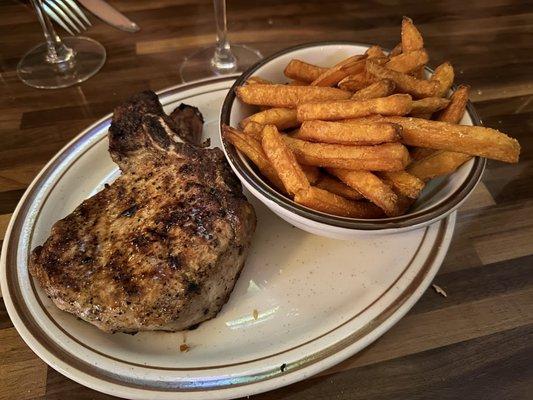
58 63
220 58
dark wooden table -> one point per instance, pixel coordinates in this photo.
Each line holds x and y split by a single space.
475 344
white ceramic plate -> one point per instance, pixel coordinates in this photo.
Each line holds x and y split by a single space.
318 300
440 196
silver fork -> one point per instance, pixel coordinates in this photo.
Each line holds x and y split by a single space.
67 14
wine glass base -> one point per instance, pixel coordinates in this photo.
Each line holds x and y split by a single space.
198 65
35 71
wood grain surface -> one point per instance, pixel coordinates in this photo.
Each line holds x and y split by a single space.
475 344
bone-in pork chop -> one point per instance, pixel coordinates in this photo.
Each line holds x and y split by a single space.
163 245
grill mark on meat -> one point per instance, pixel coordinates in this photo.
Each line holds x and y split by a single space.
129 212
175 261
192 288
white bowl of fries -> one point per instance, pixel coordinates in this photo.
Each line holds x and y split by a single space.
341 139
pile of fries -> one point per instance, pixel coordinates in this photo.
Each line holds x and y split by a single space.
362 138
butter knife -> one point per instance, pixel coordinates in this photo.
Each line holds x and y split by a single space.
110 15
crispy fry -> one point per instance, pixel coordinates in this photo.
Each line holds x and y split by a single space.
429 105
333 185
257 79
382 88
282 118
356 82
456 109
411 41
253 150
363 79
371 187
350 134
418 153
283 161
411 38
397 50
287 96
311 173
417 87
351 65
254 130
383 157
438 164
403 183
302 71
375 52
408 62
443 76
398 104
446 161
327 202
473 140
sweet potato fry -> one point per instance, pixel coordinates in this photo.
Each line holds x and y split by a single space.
443 76
382 88
351 65
398 104
257 79
383 157
403 183
333 185
253 150
302 71
408 62
287 96
405 83
430 163
311 173
397 50
282 118
283 161
429 105
356 82
363 79
446 162
254 130
411 38
437 164
375 52
371 187
350 134
473 140
330 203
456 109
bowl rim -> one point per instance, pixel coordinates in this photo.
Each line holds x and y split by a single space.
435 212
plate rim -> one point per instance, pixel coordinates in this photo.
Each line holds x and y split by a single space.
294 375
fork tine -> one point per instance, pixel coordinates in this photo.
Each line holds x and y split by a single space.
54 16
75 7
61 5
60 14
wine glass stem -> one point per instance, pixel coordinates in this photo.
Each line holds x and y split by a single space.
223 60
57 53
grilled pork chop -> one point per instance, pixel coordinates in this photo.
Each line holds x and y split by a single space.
161 247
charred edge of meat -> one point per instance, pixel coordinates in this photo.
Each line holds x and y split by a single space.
188 123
